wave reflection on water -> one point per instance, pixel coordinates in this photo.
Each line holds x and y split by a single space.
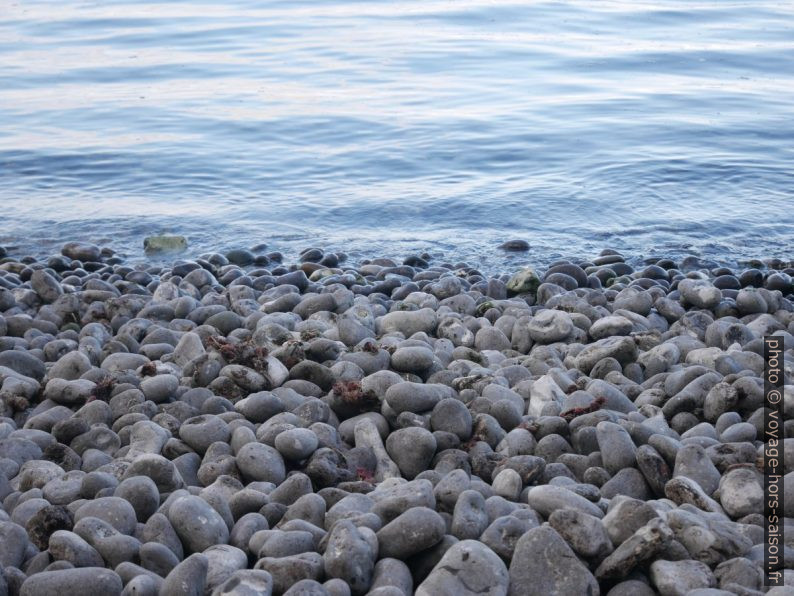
386 128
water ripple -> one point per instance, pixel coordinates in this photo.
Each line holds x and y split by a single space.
391 127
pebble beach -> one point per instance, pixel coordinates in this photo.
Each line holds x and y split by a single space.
251 424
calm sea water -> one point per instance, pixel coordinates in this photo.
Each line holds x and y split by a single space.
387 127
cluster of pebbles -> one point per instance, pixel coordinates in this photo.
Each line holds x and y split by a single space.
232 425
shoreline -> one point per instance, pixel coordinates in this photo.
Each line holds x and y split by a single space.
394 426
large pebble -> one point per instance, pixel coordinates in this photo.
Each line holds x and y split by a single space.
197 524
415 530
544 564
87 581
467 568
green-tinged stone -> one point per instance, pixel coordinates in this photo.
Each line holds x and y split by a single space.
483 308
321 273
623 279
525 281
164 243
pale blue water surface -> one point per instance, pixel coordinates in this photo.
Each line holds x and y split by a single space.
386 128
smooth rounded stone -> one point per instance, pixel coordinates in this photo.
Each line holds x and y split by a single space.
571 270
699 293
491 338
610 326
504 532
549 326
46 521
625 516
68 546
246 526
13 544
412 359
159 529
413 531
313 372
46 286
677 578
548 498
412 397
721 398
146 436
225 321
37 473
348 556
742 432
654 467
448 489
739 572
246 582
412 449
693 462
393 573
351 331
408 323
24 363
188 348
295 486
162 471
622 349
70 366
632 587
392 499
455 331
508 484
113 547
683 490
140 492
122 361
69 393
469 518
240 256
347 428
543 563
629 482
197 524
159 388
742 492
287 571
157 558
296 444
467 568
617 448
451 415
309 587
19 450
260 407
641 546
113 510
86 581
81 251
285 544
222 561
525 281
260 462
750 301
141 585
585 534
515 246
189 578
